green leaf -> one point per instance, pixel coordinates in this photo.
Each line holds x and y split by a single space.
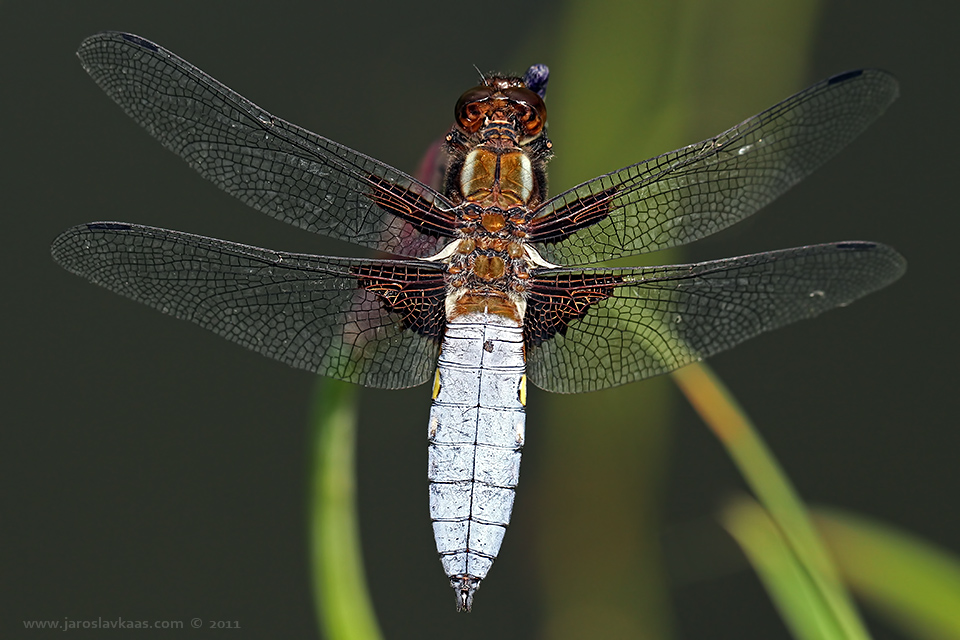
908 580
796 595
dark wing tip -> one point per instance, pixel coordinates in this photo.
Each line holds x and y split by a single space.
63 245
93 42
867 245
101 226
893 264
856 245
843 77
140 42
877 77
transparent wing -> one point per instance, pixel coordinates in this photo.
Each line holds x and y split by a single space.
693 192
372 322
590 330
276 167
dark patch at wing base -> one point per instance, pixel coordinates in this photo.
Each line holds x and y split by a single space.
410 292
571 217
555 301
412 208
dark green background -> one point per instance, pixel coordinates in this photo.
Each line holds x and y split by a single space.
153 471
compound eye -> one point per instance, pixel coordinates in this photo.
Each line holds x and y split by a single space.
531 109
471 108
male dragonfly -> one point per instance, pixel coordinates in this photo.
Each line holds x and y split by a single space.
491 290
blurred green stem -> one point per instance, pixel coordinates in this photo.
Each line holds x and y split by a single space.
801 604
630 80
342 603
721 412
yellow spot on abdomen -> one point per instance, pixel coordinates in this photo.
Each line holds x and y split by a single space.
436 384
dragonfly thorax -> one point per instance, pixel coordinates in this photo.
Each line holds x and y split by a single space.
498 150
497 177
488 274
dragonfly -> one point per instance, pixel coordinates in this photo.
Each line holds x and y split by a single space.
487 285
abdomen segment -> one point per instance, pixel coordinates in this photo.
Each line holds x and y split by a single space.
476 433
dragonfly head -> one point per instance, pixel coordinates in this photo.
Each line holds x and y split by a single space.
503 101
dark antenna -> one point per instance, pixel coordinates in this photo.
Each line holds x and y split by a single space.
483 78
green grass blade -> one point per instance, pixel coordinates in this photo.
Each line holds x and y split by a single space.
795 595
723 415
911 582
342 602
